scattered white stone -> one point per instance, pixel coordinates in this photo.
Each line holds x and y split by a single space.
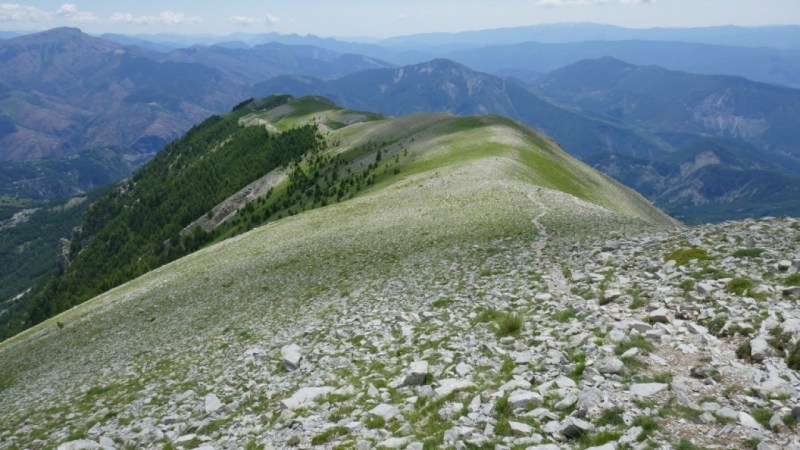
82 444
393 442
611 295
760 349
660 315
385 410
611 365
647 389
291 356
521 399
212 403
305 396
416 373
748 421
607 446
520 429
450 385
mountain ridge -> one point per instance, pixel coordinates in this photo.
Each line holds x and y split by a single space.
147 221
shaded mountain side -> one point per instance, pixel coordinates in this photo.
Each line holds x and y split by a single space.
707 182
673 103
151 219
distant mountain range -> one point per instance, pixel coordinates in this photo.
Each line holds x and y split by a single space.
701 147
787 36
768 65
78 111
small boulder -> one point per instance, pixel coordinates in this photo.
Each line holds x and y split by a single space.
291 356
212 403
416 373
573 427
520 429
759 349
385 410
521 399
748 421
611 365
611 295
660 315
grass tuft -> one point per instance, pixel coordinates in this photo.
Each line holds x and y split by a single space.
509 325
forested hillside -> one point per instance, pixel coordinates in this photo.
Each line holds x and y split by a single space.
136 228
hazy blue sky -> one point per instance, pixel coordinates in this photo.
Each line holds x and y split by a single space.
382 18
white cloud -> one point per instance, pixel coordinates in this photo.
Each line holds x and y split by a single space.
14 12
166 17
272 20
69 11
246 21
557 3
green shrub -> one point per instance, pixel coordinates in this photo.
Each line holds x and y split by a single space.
683 256
762 416
748 253
443 302
502 408
792 280
739 286
744 351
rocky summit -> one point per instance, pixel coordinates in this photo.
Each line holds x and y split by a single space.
682 338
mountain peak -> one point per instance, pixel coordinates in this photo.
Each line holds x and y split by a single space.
54 34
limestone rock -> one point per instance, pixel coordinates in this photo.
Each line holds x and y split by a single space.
385 410
647 389
305 396
611 365
520 429
748 421
759 349
212 403
521 399
290 354
416 373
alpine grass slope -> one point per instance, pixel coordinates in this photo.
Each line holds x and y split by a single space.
486 290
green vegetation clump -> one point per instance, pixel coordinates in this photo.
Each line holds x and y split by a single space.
637 341
744 351
792 280
443 302
739 286
748 253
502 408
564 315
509 324
328 435
683 256
762 416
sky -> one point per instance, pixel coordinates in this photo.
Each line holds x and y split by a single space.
381 18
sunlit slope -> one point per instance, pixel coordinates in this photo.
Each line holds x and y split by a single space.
456 188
